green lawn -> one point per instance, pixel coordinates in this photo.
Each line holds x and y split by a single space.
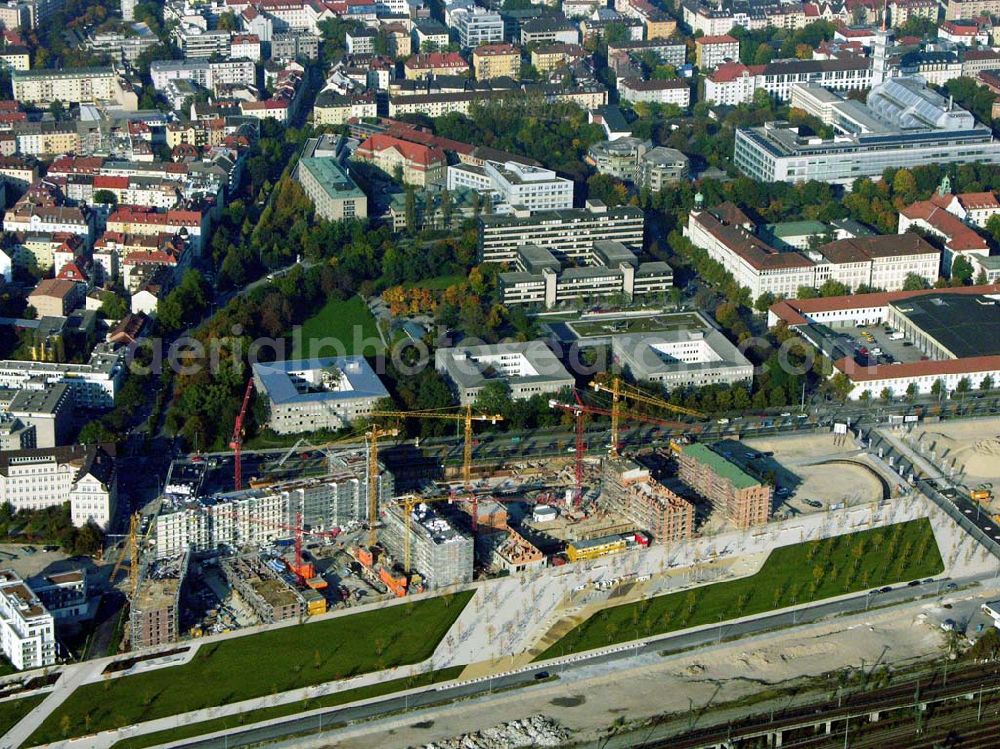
245 719
347 322
12 711
268 663
794 574
438 283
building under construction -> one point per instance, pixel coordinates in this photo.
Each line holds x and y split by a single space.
155 610
439 552
629 491
265 588
255 517
731 490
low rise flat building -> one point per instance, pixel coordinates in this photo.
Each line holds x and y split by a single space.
521 186
568 234
311 394
73 86
611 270
682 358
334 194
528 369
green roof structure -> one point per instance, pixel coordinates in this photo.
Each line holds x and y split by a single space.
720 465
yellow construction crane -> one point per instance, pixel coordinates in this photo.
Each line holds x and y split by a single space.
465 415
408 502
373 435
622 391
131 547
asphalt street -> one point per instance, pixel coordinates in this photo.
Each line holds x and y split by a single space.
316 721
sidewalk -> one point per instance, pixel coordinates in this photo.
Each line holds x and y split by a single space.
106 739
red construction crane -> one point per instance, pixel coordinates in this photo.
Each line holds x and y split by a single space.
303 571
579 409
236 442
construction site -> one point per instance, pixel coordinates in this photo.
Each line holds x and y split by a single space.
320 528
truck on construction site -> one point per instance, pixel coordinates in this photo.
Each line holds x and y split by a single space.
982 493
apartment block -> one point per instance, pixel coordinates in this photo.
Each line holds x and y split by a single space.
311 394
744 500
496 61
154 614
27 630
414 163
72 86
255 517
712 51
441 553
334 194
630 492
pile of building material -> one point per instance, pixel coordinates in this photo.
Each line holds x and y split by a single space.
536 730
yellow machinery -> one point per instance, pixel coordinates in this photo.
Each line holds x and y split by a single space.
466 416
982 493
373 435
131 547
621 391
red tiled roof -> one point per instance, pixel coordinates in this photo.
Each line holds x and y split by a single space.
755 252
729 71
415 152
959 236
436 60
717 39
104 182
793 311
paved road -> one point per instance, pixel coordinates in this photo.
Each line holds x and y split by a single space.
668 644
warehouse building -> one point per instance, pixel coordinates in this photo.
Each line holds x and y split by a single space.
739 496
957 329
439 552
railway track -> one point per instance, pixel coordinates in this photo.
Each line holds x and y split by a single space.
945 710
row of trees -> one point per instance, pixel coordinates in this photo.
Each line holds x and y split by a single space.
49 525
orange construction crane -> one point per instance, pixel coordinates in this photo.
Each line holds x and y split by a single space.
466 416
621 391
236 442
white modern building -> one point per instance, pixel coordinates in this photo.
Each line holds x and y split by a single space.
528 369
533 188
27 630
307 395
477 26
255 517
692 357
